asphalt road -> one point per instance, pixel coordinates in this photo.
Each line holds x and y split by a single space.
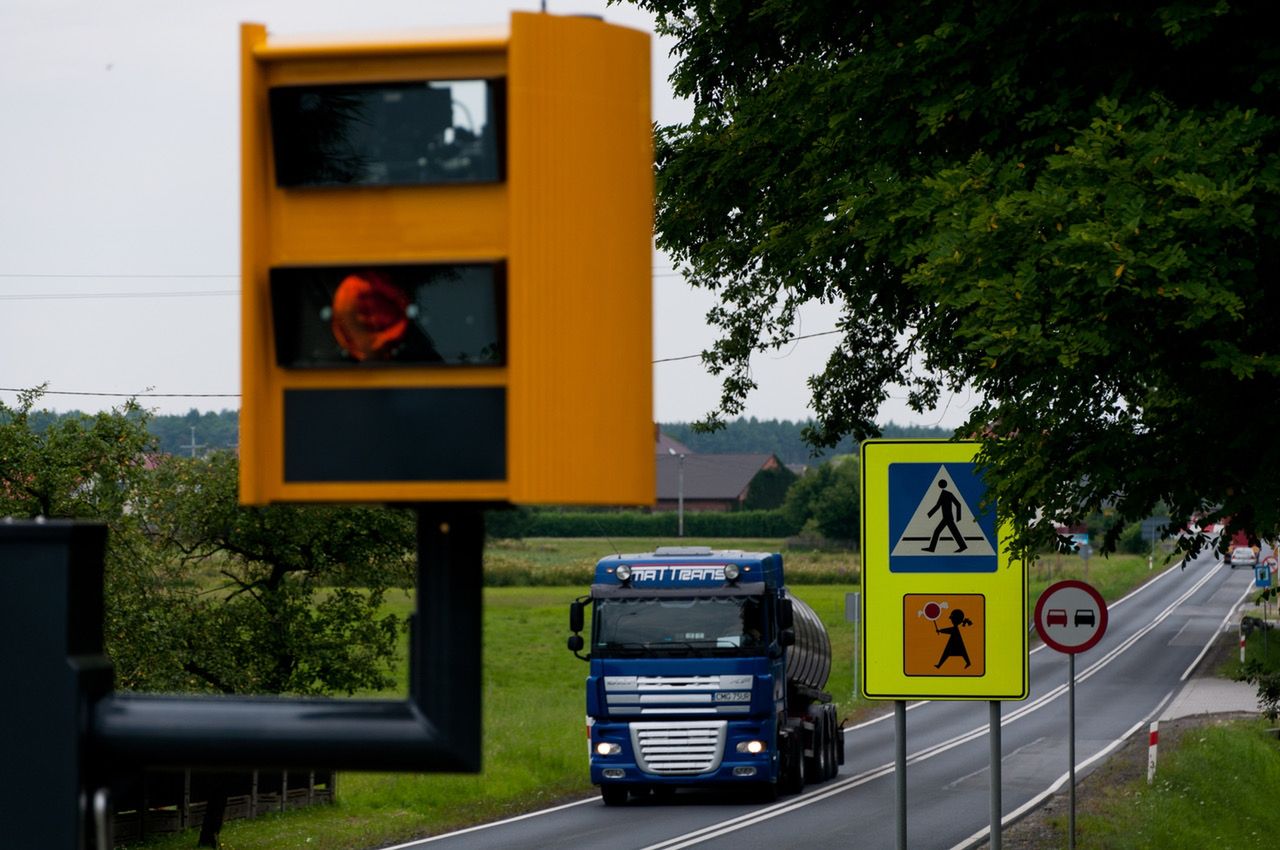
1154 638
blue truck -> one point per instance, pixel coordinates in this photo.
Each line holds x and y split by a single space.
705 671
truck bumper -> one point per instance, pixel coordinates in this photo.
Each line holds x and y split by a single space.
658 754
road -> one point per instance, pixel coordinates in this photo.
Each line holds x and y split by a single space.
1154 637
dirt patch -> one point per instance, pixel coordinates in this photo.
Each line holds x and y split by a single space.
1047 825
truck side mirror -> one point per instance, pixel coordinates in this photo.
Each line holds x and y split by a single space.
575 617
575 644
786 615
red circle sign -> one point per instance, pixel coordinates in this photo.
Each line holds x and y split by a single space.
932 610
1071 616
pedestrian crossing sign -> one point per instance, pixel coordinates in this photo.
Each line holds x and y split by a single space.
937 522
943 606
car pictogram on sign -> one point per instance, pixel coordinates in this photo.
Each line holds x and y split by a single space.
1057 617
1084 617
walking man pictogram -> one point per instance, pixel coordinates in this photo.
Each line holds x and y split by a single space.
955 644
951 511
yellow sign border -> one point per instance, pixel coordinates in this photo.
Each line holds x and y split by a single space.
1007 674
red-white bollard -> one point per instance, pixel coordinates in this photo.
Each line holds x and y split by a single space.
1152 746
1242 641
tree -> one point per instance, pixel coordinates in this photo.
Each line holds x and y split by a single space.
1070 208
279 599
74 466
826 498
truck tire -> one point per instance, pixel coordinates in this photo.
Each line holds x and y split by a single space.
816 765
613 795
833 747
792 779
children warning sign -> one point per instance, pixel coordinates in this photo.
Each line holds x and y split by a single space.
937 522
943 605
944 634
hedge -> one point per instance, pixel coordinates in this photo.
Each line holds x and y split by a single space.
524 522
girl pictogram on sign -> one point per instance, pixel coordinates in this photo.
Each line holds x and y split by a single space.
955 642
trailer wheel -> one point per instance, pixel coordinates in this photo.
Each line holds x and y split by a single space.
834 735
816 766
613 795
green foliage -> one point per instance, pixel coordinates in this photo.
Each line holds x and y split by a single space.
828 498
297 590
80 466
1268 681
1070 209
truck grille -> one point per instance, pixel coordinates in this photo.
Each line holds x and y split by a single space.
678 749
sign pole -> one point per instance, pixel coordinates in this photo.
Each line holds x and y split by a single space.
900 768
1071 743
996 829
857 624
1071 617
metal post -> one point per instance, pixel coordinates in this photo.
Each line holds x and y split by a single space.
51 605
900 768
436 729
996 806
680 495
1071 744
857 624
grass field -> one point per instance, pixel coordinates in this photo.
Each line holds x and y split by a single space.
534 740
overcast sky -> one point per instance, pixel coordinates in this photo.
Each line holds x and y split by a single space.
119 220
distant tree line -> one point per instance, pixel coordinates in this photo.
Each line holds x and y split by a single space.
176 433
783 438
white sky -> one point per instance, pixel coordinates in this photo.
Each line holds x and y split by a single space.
119 207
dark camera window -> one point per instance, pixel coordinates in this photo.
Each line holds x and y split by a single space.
413 315
403 133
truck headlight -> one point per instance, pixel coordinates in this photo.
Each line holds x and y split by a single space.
608 748
755 748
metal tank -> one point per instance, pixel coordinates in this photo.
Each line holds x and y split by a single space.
809 660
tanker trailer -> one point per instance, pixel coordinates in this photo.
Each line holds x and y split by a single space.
704 671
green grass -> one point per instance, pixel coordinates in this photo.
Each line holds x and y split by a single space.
1216 789
534 739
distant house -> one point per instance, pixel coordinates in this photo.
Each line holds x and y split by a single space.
717 482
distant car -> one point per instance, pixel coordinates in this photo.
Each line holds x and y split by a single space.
1084 617
1243 556
1057 617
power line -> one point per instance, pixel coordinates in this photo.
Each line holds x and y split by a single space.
780 342
237 395
123 395
104 276
84 296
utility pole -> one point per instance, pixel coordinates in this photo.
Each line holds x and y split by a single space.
679 492
193 446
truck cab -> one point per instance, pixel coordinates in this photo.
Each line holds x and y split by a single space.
697 677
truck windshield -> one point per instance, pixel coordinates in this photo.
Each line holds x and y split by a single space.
703 626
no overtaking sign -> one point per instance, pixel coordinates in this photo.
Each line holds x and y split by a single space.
1071 616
